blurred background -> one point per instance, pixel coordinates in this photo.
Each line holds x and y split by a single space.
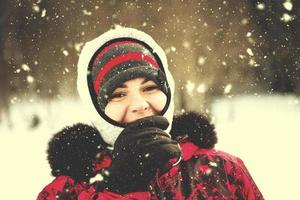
237 61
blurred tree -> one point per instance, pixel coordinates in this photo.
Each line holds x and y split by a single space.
214 48
278 24
4 72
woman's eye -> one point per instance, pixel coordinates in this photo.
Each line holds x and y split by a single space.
151 88
116 96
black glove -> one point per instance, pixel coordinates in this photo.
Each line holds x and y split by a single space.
141 151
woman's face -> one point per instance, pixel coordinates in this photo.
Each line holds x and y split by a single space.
135 99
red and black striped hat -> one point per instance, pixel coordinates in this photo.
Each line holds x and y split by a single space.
120 60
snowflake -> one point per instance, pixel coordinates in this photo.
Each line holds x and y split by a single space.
65 52
25 67
43 13
88 13
250 52
201 60
288 5
201 88
190 86
30 79
260 6
286 18
227 88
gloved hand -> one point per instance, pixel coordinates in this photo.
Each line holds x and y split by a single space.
141 151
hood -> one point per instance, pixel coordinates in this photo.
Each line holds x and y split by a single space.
109 131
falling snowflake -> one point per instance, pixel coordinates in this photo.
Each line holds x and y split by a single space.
288 5
201 88
65 52
201 60
244 21
250 52
30 79
78 46
13 100
213 164
186 44
208 48
98 177
287 18
260 6
242 56
43 13
227 88
190 86
253 63
85 12
173 48
35 8
224 63
25 67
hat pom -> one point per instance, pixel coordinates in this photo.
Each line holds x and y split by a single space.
198 128
72 151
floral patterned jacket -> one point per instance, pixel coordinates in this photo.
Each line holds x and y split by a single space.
203 173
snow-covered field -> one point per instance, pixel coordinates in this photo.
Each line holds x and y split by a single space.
263 131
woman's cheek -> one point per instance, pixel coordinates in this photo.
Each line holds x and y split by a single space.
158 101
115 111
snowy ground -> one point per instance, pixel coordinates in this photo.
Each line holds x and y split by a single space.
263 131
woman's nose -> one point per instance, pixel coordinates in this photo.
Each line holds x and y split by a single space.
138 104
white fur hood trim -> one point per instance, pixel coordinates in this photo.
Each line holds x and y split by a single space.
108 131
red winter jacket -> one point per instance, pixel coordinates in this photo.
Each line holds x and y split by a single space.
202 174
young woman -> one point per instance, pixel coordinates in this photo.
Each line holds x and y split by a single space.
124 80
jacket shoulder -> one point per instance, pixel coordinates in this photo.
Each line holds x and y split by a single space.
73 150
61 187
224 157
220 168
195 127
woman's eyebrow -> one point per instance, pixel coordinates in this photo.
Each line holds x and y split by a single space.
122 86
146 80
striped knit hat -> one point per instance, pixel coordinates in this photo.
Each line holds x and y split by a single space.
120 60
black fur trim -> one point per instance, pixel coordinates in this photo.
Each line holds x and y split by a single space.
198 128
72 151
